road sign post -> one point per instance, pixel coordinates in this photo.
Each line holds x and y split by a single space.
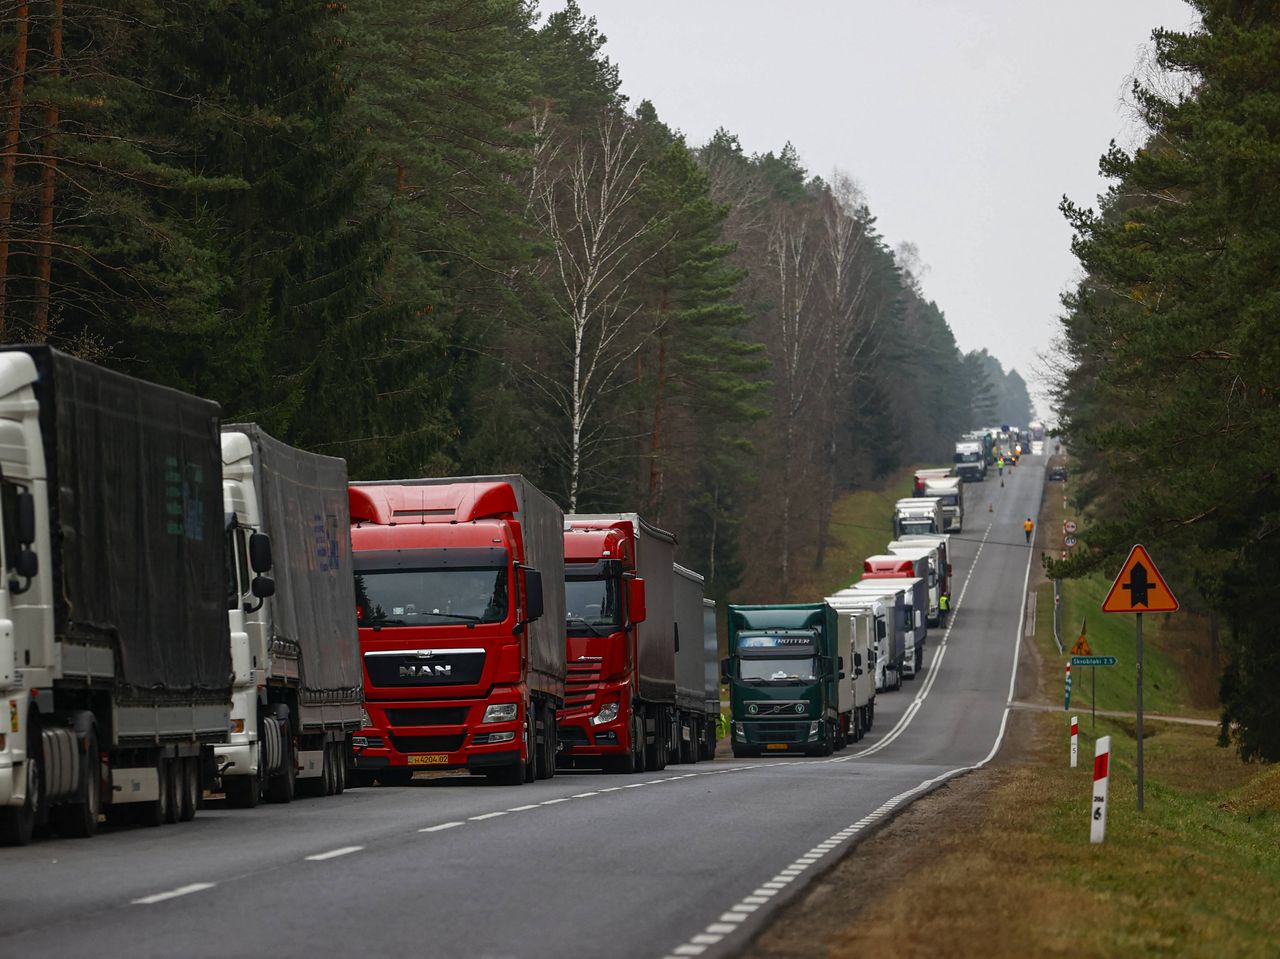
1101 783
1075 730
1147 593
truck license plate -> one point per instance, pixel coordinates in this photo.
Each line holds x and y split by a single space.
429 759
775 746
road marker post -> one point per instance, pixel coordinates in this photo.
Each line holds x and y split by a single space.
1066 699
1147 593
1075 732
1101 782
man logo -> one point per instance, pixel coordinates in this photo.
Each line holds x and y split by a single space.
427 671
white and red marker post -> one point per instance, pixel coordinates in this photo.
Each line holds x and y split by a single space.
1101 779
1075 733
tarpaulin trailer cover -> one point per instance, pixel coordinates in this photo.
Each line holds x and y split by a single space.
136 521
303 498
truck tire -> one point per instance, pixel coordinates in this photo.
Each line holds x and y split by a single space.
282 787
79 819
190 767
340 767
547 750
18 823
531 743
156 812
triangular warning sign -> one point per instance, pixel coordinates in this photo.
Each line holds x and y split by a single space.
1081 648
1139 588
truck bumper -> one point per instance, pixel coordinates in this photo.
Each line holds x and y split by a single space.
237 759
581 739
764 736
465 744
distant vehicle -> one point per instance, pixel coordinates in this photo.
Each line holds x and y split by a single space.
918 515
1037 431
939 558
1058 473
923 477
971 460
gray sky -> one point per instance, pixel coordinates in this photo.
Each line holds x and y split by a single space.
964 121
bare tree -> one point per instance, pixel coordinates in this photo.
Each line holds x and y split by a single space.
583 200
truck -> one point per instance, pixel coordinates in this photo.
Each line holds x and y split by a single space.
937 549
857 621
888 609
459 586
923 476
620 699
908 563
971 461
918 514
711 658
783 674
115 657
297 694
689 723
915 602
951 493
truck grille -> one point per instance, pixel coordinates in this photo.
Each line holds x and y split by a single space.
779 732
581 684
444 667
435 716
773 707
428 744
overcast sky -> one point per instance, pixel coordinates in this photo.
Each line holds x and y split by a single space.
964 121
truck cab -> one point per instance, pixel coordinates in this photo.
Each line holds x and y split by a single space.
950 493
919 514
970 461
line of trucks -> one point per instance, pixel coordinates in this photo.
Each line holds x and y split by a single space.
804 678
978 450
192 607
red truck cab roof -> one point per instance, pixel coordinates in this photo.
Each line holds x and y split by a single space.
887 567
457 514
589 541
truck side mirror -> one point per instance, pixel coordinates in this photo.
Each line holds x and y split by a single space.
724 671
263 586
26 520
857 659
260 552
27 563
636 609
534 607
840 662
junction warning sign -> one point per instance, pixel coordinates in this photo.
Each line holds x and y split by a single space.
1139 588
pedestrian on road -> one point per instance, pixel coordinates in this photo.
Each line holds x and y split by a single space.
944 604
1027 527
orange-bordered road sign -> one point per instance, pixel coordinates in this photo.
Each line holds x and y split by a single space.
1139 588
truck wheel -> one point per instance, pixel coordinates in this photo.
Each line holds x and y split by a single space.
547 753
531 744
156 812
281 787
340 767
18 823
79 819
190 767
177 787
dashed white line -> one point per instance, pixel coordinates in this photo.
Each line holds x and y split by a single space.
440 828
532 805
488 815
173 893
334 853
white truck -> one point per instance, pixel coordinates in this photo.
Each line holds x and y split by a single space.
971 461
950 491
896 596
297 691
915 613
114 653
858 622
918 515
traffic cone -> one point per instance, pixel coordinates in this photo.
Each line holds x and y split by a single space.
990 508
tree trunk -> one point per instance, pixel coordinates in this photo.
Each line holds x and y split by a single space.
44 248
8 177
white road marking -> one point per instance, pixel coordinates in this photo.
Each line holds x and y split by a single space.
334 853
174 893
532 805
440 828
488 815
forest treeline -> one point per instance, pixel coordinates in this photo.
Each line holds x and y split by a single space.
434 238
1170 363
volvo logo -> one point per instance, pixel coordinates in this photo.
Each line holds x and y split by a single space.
426 671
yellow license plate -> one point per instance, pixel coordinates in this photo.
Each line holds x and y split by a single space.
775 745
429 759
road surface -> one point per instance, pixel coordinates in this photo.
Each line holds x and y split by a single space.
686 862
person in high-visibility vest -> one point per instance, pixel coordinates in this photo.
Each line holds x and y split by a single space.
944 604
1027 527
1000 465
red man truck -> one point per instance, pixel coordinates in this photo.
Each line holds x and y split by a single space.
460 608
620 626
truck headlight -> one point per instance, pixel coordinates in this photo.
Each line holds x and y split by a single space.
608 713
501 713
364 718
738 733
813 730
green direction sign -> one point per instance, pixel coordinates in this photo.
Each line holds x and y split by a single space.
1093 660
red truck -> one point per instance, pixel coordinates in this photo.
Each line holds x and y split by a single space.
620 694
460 609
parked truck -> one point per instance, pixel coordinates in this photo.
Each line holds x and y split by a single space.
620 643
711 659
918 514
783 675
971 461
459 587
924 476
689 722
295 655
908 564
915 602
950 492
857 622
936 549
114 650
888 609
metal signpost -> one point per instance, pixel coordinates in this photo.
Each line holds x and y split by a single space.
1093 662
1138 589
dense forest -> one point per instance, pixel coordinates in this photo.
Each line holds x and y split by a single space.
1170 362
435 238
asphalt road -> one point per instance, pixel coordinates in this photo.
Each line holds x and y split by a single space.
685 862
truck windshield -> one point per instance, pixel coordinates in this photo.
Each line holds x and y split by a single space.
592 602
780 670
916 527
968 457
430 597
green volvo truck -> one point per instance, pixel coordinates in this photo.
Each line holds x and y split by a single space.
783 674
